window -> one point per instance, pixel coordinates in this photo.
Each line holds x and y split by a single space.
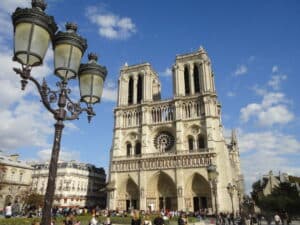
130 91
196 79
186 81
21 177
128 148
191 143
137 148
139 89
201 142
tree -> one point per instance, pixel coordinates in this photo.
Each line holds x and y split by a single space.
32 200
285 197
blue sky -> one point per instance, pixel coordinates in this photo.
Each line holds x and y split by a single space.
254 48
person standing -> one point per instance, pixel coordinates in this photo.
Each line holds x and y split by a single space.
277 219
136 220
158 220
8 211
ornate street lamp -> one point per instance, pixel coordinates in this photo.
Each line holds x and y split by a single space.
231 188
33 32
213 179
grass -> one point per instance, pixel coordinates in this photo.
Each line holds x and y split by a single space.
83 219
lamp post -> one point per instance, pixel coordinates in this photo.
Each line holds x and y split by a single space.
213 179
33 31
230 189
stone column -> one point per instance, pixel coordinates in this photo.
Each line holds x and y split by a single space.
135 78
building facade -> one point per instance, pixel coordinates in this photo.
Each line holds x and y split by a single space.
15 179
161 148
77 184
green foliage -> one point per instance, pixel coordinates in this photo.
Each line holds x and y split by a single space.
83 219
284 197
32 200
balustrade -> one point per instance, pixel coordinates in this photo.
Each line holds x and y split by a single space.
162 112
151 161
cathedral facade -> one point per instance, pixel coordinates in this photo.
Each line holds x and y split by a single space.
162 148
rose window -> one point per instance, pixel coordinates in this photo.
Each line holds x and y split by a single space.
164 141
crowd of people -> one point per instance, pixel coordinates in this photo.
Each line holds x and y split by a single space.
158 218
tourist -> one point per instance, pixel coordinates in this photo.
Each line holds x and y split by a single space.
107 220
147 220
158 220
277 219
93 221
136 220
8 211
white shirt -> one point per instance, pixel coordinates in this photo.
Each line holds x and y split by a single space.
277 218
93 221
8 211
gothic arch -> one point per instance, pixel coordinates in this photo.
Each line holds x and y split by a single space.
190 140
201 142
196 79
128 148
138 148
130 91
187 80
139 88
198 190
163 188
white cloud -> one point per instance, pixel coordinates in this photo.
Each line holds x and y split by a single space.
240 70
9 6
274 69
272 110
276 81
6 9
109 94
275 115
270 150
45 154
167 72
230 94
110 25
270 142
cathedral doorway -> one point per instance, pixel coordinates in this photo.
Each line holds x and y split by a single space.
132 195
198 189
164 190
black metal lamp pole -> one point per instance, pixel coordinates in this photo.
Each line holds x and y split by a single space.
230 189
33 31
239 198
213 180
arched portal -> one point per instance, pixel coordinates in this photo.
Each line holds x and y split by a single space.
162 192
132 195
198 192
196 79
187 80
130 91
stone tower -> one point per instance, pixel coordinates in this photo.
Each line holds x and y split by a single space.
161 148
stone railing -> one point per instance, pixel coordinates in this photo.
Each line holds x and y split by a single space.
160 112
183 159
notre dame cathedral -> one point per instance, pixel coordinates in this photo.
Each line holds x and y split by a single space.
162 148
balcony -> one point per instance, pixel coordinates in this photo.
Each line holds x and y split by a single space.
160 112
166 160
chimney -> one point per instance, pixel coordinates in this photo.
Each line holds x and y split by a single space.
14 157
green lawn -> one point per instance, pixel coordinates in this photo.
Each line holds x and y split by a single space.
83 219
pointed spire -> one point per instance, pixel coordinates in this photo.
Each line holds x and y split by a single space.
233 137
202 50
125 64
